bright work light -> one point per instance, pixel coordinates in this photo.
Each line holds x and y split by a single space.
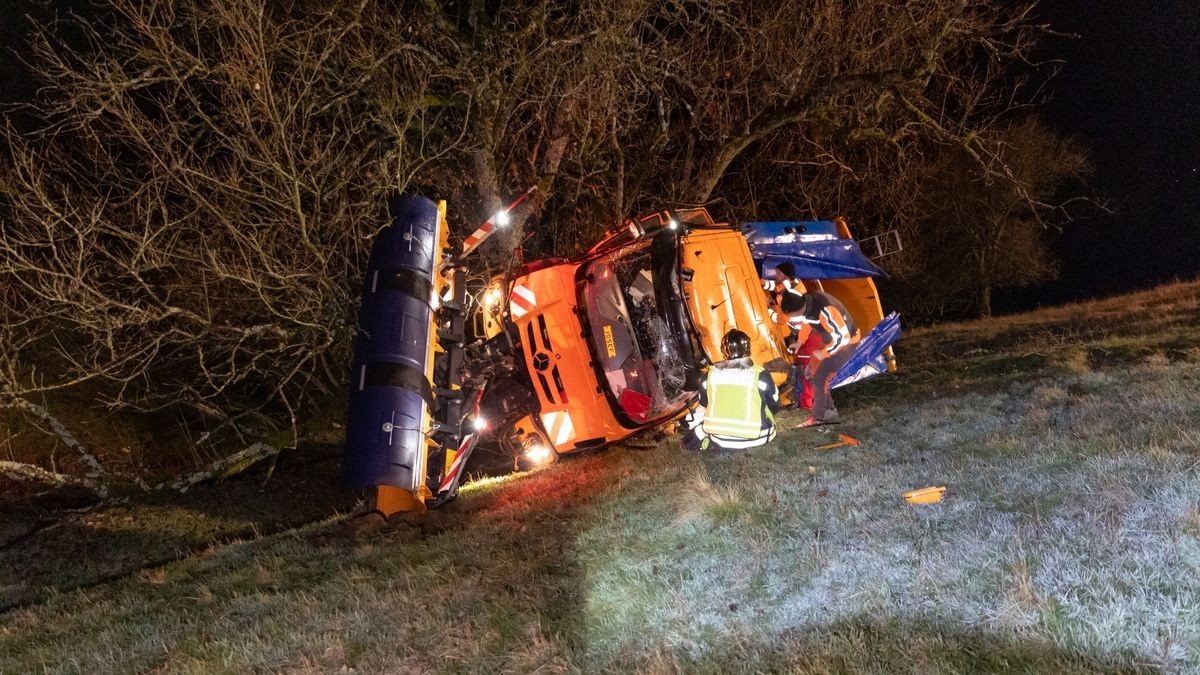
537 453
491 297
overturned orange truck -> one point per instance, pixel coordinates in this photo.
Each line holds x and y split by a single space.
564 355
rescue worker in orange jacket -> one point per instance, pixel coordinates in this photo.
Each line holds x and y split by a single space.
784 280
821 313
738 402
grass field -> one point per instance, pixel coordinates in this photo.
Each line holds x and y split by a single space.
1068 541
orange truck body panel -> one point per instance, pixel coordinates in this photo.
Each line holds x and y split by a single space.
725 293
543 305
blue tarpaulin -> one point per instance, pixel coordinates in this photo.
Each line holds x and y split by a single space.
869 359
834 259
763 231
813 247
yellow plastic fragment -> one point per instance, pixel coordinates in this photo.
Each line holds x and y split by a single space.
929 495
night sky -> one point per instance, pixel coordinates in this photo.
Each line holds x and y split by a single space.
1129 90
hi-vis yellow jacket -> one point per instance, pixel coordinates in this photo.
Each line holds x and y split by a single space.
737 406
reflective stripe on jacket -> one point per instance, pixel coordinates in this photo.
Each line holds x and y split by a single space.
827 316
778 288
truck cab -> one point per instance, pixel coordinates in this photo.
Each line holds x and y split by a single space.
613 342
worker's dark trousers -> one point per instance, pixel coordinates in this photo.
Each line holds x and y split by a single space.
823 409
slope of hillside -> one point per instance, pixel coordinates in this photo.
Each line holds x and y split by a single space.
1069 539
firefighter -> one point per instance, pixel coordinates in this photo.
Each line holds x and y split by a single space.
738 402
820 313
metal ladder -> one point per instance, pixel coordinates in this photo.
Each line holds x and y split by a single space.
884 244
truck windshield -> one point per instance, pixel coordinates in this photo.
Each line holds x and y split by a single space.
644 371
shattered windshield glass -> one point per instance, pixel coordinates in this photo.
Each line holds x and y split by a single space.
643 368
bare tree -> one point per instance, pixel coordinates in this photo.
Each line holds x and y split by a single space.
631 104
184 224
980 232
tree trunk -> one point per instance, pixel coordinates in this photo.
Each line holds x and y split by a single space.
985 301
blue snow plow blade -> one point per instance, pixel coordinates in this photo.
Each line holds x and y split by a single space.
390 393
869 360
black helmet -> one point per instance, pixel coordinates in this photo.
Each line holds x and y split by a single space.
736 344
794 302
